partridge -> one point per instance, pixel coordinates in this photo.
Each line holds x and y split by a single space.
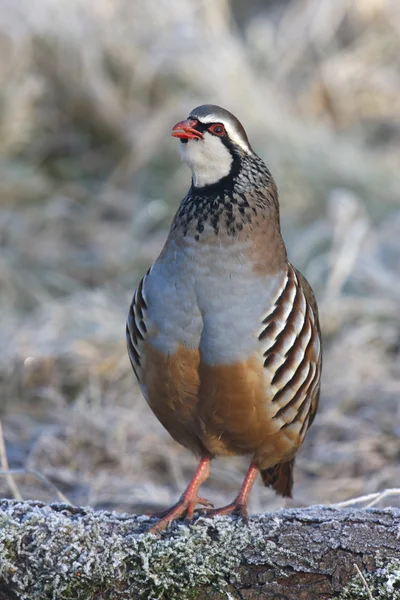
223 331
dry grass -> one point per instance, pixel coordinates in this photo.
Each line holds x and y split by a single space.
89 182
365 584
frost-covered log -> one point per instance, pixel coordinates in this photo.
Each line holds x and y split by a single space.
61 552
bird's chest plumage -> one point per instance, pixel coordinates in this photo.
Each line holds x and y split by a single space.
207 297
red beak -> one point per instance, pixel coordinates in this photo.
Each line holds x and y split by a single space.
186 130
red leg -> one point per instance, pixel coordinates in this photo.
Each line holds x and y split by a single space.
189 499
239 505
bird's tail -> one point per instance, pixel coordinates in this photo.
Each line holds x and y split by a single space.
280 477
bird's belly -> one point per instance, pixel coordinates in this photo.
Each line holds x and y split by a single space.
219 410
236 412
171 385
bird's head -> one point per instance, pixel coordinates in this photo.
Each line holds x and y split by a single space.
212 143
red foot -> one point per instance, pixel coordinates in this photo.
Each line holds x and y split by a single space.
181 502
183 508
188 501
239 505
234 508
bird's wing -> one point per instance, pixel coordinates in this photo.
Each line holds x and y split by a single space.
291 346
136 329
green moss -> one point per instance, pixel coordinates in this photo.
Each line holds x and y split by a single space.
47 554
384 584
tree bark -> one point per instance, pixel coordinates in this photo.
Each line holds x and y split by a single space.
60 551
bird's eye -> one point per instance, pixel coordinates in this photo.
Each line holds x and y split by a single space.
217 129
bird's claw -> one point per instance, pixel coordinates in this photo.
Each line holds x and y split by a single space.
184 508
234 508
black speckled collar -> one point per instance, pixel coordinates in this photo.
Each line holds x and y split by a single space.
231 203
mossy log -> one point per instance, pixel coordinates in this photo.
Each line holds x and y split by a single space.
64 552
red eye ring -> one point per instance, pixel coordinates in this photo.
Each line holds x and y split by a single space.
217 129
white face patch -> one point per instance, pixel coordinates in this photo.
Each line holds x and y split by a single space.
209 159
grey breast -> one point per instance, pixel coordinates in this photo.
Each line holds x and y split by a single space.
207 296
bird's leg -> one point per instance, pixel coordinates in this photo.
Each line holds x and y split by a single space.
239 505
189 499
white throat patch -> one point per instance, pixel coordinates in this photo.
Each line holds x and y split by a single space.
209 159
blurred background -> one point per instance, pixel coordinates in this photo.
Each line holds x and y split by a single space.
90 180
